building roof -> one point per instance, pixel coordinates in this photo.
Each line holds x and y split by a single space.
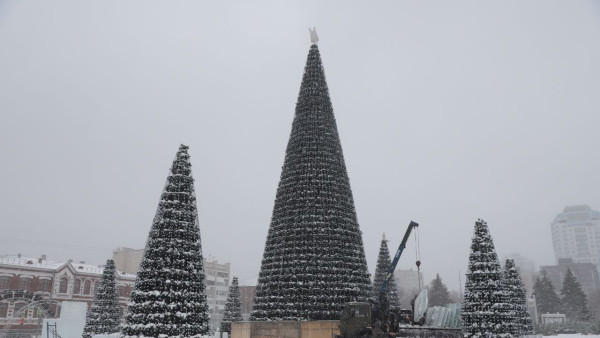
578 214
53 266
31 262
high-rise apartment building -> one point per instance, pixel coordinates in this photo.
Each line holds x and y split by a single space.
576 234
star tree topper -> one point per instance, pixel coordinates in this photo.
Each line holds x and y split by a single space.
313 35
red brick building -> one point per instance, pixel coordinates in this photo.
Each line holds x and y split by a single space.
22 277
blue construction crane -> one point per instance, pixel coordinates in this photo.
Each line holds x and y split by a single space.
365 319
390 272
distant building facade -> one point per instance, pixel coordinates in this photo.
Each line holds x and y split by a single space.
127 260
247 299
67 280
21 277
217 289
576 234
408 285
408 280
585 273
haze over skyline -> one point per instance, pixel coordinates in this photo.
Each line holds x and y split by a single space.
447 112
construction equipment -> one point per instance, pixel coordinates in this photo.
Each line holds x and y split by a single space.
362 319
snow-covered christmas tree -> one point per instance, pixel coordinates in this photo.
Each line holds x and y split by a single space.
383 264
104 316
233 307
517 296
314 261
574 301
438 292
485 310
547 301
169 299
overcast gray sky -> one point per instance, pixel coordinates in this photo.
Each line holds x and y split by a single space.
447 112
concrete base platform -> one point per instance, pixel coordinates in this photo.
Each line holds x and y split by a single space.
286 329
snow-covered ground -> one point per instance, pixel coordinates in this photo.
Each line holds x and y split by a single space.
575 335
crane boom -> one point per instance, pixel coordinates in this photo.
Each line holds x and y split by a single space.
390 272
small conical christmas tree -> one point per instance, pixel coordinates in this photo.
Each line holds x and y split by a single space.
168 299
233 307
314 260
522 323
390 304
546 299
485 310
383 265
574 301
104 317
438 293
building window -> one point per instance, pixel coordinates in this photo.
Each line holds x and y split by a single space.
64 282
76 287
3 309
24 283
96 286
4 283
86 287
121 290
44 285
18 306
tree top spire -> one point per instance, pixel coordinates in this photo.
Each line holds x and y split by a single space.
314 39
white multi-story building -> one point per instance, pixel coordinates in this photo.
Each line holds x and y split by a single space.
217 289
576 234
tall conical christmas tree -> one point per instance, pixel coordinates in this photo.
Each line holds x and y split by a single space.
314 260
574 301
383 264
522 323
485 310
104 317
233 307
168 299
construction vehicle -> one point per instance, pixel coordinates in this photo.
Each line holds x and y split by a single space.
364 319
